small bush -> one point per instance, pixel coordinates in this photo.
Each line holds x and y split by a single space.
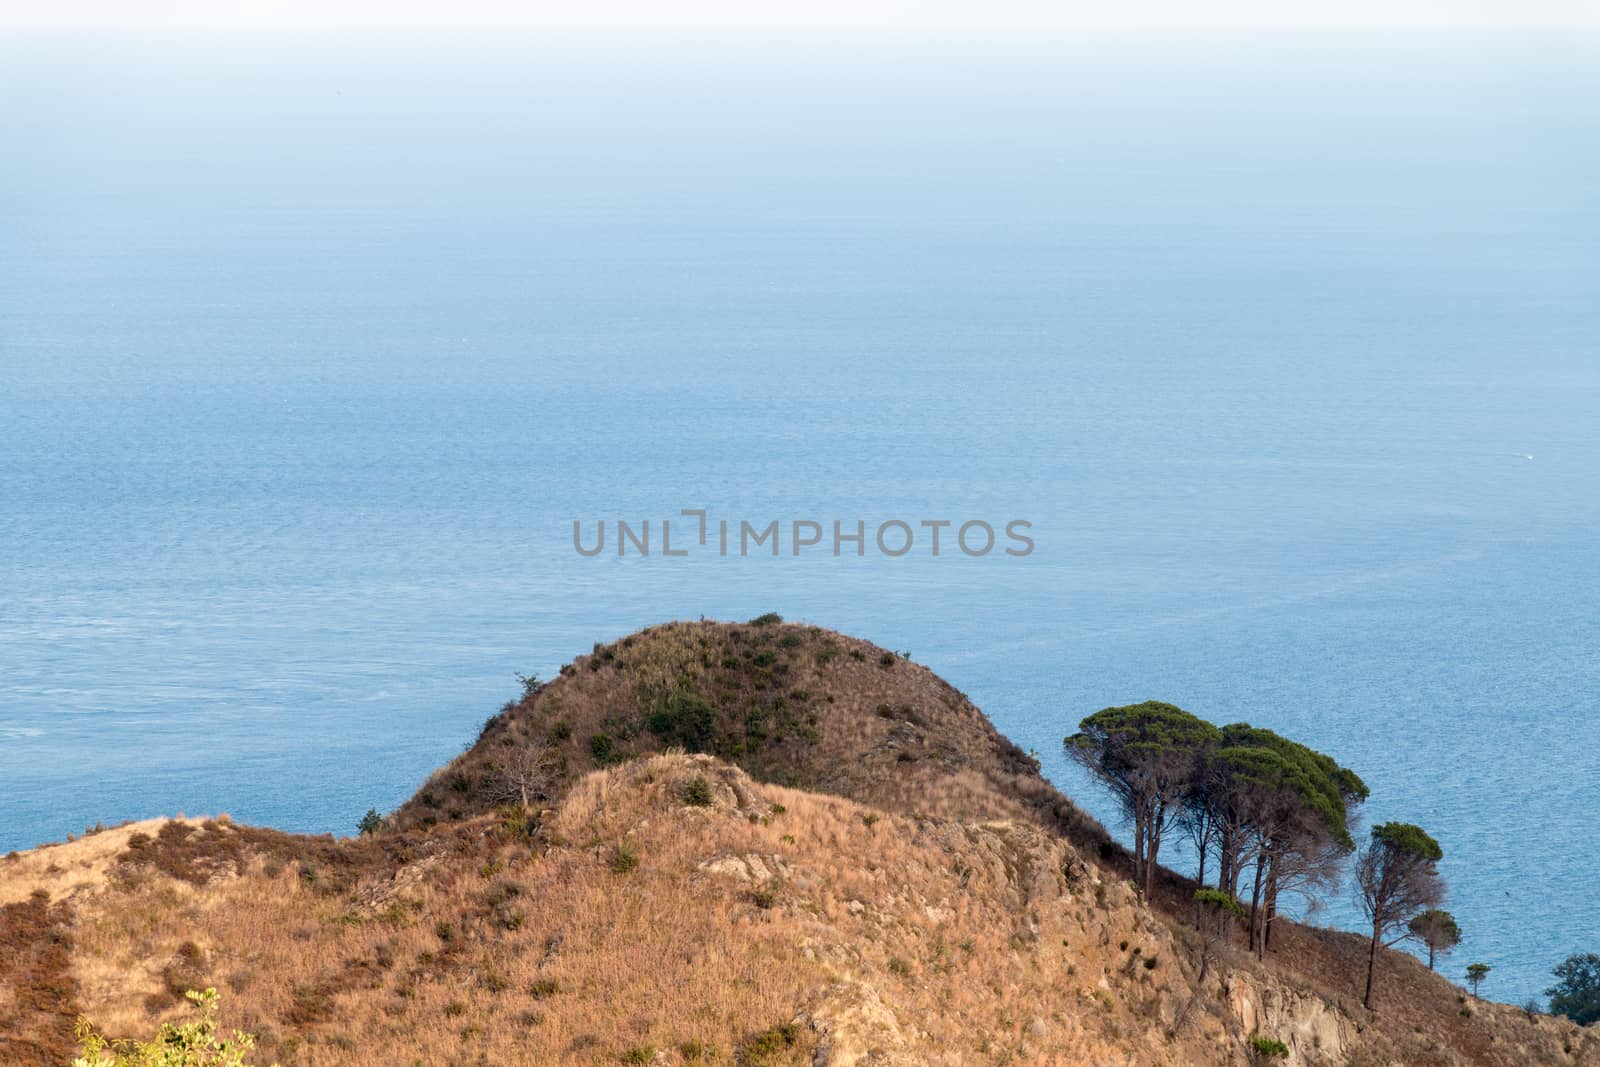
624 859
544 988
194 1044
771 618
697 793
639 1054
604 750
760 1049
1263 1049
370 823
685 719
886 660
1213 898
502 892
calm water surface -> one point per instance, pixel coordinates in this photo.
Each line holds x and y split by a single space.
310 352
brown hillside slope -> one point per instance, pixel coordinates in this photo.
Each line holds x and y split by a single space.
762 925
927 911
791 704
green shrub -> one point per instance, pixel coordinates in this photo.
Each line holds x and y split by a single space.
1263 1049
544 988
193 1044
761 1049
686 719
771 618
639 1054
697 793
1214 898
604 750
624 859
370 823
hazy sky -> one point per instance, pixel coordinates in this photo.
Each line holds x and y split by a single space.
907 13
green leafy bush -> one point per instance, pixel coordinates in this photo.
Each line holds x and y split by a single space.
1264 1049
686 719
192 1044
604 750
697 793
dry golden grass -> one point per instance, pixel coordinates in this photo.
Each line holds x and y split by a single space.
866 934
635 926
69 868
920 901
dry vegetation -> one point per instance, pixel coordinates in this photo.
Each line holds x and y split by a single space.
910 894
756 926
791 704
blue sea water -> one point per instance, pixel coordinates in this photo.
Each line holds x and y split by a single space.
311 351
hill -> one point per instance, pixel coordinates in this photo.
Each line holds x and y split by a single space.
857 869
791 704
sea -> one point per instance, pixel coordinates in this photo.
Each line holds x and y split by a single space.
1285 347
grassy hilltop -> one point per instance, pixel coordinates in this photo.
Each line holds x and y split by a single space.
757 843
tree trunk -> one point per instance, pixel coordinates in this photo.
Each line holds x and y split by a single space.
1372 961
1430 957
1152 845
1272 904
1138 848
1255 899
